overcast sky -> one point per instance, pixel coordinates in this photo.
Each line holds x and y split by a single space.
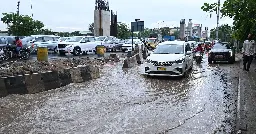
70 15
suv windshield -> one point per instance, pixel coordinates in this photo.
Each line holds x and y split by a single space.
169 49
221 46
74 39
136 41
101 38
151 40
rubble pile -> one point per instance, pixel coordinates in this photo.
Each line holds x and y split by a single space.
29 67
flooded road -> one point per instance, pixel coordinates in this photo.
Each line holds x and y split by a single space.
123 101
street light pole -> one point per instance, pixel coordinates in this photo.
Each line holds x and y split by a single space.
218 18
136 20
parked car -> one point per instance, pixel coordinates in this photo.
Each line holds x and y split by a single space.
170 58
108 42
127 46
221 52
119 43
50 41
4 40
77 45
62 39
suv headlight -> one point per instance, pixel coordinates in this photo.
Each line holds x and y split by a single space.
231 53
180 60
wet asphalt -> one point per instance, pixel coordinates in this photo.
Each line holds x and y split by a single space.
124 101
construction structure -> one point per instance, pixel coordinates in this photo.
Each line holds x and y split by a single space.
189 31
182 29
197 30
101 18
113 24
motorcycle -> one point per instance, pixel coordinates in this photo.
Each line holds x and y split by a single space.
198 57
10 52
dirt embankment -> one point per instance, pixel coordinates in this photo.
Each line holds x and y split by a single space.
29 67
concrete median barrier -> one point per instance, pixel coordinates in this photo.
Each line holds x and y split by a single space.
65 77
130 61
76 75
39 82
3 91
89 72
139 58
16 85
50 79
34 83
114 57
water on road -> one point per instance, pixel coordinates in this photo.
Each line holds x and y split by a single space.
123 101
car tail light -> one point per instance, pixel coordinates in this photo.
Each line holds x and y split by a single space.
33 45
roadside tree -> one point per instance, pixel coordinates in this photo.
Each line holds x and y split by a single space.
165 31
21 25
91 27
76 33
145 33
242 12
225 33
47 32
123 32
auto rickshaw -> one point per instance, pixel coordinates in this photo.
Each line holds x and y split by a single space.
151 43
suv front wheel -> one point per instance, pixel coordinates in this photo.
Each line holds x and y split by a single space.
77 51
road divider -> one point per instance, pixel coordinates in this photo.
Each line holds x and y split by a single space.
44 81
132 61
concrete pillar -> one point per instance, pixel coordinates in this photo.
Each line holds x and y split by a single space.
101 21
190 24
182 29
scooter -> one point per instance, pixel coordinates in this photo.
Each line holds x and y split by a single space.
10 52
198 57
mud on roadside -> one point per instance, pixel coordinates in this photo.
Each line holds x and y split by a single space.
28 67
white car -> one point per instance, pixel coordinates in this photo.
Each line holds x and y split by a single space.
77 45
49 41
170 58
127 46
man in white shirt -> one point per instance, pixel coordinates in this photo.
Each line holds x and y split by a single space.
248 52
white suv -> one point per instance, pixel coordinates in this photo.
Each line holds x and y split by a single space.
170 58
77 45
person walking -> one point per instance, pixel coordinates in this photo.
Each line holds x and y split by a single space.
248 52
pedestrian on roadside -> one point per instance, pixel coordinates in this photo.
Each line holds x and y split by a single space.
248 51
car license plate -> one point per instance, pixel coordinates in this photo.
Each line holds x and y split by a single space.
61 48
219 56
161 69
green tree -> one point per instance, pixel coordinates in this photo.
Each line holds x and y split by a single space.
165 31
21 25
47 32
91 27
64 34
225 32
176 34
123 31
242 12
145 33
75 33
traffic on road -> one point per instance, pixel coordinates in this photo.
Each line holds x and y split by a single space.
197 98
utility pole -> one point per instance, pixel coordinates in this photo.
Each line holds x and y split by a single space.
18 8
218 18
